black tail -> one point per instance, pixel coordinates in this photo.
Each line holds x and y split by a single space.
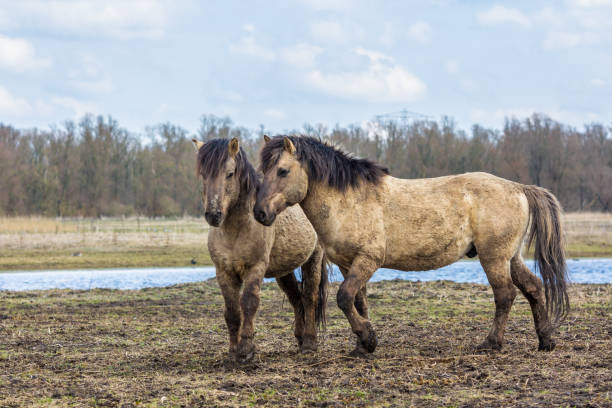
545 212
321 309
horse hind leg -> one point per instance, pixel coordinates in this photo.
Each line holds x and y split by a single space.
289 285
498 274
311 279
531 287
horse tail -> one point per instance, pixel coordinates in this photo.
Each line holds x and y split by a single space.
549 254
321 308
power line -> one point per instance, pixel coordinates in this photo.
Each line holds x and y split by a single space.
403 115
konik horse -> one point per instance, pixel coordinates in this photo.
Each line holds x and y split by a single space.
244 251
367 219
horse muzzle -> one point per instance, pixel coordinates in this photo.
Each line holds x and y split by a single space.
264 217
213 218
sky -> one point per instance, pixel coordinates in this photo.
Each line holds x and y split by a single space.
285 63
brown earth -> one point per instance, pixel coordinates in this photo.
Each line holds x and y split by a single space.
167 347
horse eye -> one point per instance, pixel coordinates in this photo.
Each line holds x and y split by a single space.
282 172
230 175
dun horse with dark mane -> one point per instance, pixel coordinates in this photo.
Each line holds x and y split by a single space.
244 251
367 219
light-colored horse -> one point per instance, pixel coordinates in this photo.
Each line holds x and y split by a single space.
244 251
367 219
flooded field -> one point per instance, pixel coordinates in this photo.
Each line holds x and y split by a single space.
580 271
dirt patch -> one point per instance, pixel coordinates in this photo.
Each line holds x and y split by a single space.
167 347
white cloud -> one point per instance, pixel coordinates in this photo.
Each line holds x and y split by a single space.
249 46
90 77
18 54
420 32
12 105
387 38
301 55
598 82
274 113
468 85
77 107
232 96
381 81
329 31
451 66
499 14
591 3
374 56
327 4
98 85
375 129
117 18
565 39
336 32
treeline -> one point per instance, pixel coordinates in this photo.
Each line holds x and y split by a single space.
95 167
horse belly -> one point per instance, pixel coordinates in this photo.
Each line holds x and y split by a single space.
427 257
429 239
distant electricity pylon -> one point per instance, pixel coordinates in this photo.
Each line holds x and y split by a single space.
403 116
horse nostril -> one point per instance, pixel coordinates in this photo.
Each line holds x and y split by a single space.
261 214
213 217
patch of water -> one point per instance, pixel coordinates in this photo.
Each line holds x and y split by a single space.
580 271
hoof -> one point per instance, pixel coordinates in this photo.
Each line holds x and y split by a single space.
308 346
489 345
546 345
246 352
306 350
370 342
246 357
360 352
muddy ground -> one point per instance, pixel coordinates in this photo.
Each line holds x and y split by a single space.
167 347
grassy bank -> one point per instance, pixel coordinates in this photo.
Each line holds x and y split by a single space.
46 243
167 347
43 243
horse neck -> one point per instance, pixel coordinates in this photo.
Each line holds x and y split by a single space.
319 197
239 216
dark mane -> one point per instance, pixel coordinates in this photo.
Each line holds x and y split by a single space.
211 160
325 163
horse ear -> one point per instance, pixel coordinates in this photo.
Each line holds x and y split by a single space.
288 145
197 144
234 146
266 138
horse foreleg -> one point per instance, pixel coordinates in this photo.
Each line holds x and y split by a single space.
289 285
230 288
249 302
361 300
498 274
311 278
532 289
360 272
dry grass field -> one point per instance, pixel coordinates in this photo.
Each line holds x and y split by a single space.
168 347
47 243
44 243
